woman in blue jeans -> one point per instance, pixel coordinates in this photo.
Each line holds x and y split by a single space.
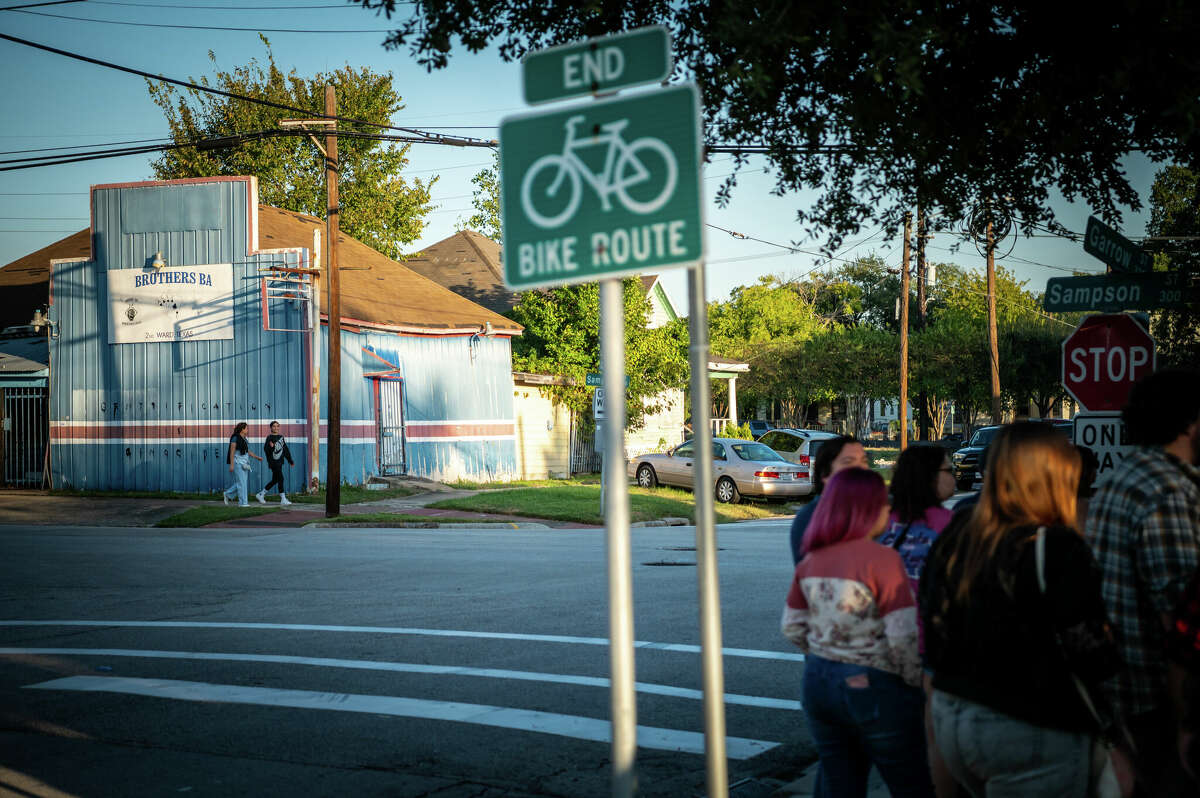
1012 650
239 465
851 609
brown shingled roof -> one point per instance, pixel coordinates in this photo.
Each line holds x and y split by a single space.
389 293
467 263
35 267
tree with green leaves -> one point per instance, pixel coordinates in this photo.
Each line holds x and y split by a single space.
1175 211
562 336
379 206
857 363
485 197
880 106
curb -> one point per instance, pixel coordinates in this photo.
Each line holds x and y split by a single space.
660 522
419 525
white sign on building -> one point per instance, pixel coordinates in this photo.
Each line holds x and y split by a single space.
179 303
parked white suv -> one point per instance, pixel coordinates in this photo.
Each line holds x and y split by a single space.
798 446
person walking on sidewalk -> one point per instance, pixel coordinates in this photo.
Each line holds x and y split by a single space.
239 465
851 611
276 450
1144 527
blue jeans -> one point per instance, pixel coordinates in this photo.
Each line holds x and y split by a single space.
241 464
861 716
998 756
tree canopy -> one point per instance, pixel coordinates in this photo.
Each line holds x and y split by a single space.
562 336
378 206
879 106
1175 211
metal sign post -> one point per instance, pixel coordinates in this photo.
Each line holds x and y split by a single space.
594 192
706 540
623 698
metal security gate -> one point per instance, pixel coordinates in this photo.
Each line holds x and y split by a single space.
25 432
584 457
391 427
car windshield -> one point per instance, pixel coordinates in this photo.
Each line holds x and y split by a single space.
756 451
983 437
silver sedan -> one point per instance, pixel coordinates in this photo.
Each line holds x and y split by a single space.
740 468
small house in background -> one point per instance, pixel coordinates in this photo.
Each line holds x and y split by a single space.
24 373
550 442
188 307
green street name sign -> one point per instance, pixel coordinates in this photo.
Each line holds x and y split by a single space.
602 189
1112 292
1113 248
597 65
597 380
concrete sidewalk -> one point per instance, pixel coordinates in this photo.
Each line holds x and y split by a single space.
40 508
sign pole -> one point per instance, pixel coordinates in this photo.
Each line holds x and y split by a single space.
706 540
616 522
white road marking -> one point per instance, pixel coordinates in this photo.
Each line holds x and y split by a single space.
503 717
390 630
407 667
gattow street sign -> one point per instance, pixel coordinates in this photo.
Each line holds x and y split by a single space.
1103 358
597 65
602 189
1110 292
1113 248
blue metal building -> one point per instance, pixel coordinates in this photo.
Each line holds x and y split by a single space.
189 316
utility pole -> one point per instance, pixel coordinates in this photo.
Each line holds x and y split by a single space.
922 300
333 446
993 344
904 333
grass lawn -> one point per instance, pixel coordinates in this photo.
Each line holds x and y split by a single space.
581 503
353 494
200 516
136 494
397 518
579 479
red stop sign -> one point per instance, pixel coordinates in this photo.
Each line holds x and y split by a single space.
1103 358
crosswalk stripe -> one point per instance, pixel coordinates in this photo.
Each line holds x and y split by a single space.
407 667
391 630
575 726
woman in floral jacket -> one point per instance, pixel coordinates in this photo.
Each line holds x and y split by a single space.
851 609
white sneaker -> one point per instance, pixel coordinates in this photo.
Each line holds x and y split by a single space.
225 498
283 499
260 498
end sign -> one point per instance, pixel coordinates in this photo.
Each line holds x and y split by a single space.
597 65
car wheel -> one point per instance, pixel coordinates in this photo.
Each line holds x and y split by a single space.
727 492
646 478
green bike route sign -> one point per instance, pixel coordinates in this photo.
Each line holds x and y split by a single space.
602 64
602 189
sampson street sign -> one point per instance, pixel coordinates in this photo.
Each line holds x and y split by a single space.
1113 248
1108 292
594 380
602 64
602 189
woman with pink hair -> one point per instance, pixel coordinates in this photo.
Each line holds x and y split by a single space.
850 608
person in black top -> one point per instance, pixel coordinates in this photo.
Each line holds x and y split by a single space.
276 450
1011 659
238 458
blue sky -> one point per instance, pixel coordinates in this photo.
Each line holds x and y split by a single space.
52 101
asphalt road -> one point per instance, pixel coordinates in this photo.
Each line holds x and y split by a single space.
443 662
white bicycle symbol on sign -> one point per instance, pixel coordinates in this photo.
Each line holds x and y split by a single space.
623 169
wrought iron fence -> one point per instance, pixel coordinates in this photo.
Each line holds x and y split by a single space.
25 434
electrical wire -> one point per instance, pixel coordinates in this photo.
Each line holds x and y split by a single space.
226 28
436 137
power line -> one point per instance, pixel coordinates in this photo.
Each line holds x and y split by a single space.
78 146
205 27
198 87
210 8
